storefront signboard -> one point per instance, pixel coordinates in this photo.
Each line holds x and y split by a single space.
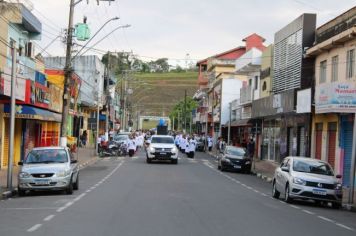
337 97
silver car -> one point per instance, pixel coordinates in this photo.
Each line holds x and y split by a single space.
307 179
49 168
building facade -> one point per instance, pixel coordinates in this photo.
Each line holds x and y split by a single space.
335 92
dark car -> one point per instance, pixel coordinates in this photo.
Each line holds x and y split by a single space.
234 158
200 145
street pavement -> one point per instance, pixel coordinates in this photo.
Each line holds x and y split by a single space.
127 196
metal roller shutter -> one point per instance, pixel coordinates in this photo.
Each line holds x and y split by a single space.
347 140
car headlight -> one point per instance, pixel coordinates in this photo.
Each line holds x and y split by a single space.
62 173
24 175
299 181
338 186
174 150
152 149
225 159
248 162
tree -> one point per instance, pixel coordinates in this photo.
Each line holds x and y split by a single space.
179 108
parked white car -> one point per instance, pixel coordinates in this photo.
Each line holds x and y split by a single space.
48 168
162 147
307 179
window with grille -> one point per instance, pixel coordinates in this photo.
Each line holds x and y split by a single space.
334 68
322 76
350 63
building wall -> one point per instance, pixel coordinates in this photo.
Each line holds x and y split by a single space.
325 119
90 69
267 62
341 52
230 92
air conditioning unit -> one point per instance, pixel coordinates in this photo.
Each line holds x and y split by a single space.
30 50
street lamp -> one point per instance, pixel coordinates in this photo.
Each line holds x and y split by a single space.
112 19
120 27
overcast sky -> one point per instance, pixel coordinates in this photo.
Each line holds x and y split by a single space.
173 28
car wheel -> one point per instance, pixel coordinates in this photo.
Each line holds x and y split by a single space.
336 205
76 184
175 161
275 192
21 192
148 160
287 198
69 189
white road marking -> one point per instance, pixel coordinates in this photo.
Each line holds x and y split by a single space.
34 228
345 227
263 194
326 219
256 191
309 212
31 208
295 207
48 218
79 197
61 209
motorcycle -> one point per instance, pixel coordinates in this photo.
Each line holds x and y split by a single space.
109 149
122 151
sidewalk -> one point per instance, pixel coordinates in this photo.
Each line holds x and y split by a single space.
85 157
264 169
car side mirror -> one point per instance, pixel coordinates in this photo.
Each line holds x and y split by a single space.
20 163
338 176
285 169
73 161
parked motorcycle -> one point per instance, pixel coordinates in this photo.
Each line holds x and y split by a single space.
109 149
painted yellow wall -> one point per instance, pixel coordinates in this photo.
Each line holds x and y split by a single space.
267 61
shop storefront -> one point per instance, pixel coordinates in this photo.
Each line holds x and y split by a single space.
34 127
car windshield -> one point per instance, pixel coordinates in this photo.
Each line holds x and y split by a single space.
121 137
162 140
235 151
47 156
313 167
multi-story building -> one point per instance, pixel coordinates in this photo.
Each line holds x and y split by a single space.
219 85
37 122
249 65
286 113
334 51
91 72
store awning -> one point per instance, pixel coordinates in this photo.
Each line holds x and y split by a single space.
243 122
32 113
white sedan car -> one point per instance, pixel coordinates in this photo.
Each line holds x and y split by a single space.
307 179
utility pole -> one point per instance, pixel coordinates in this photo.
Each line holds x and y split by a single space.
67 76
178 120
12 116
229 128
185 111
107 98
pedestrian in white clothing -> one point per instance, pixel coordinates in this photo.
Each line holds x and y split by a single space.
192 147
131 146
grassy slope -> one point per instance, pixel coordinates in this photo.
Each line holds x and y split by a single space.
165 90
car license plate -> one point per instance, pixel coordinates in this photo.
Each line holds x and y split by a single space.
42 182
162 153
319 192
237 167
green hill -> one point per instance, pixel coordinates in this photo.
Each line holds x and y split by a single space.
157 93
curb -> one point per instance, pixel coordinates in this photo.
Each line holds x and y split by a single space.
9 194
87 163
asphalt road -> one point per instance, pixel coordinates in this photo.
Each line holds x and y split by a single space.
126 196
